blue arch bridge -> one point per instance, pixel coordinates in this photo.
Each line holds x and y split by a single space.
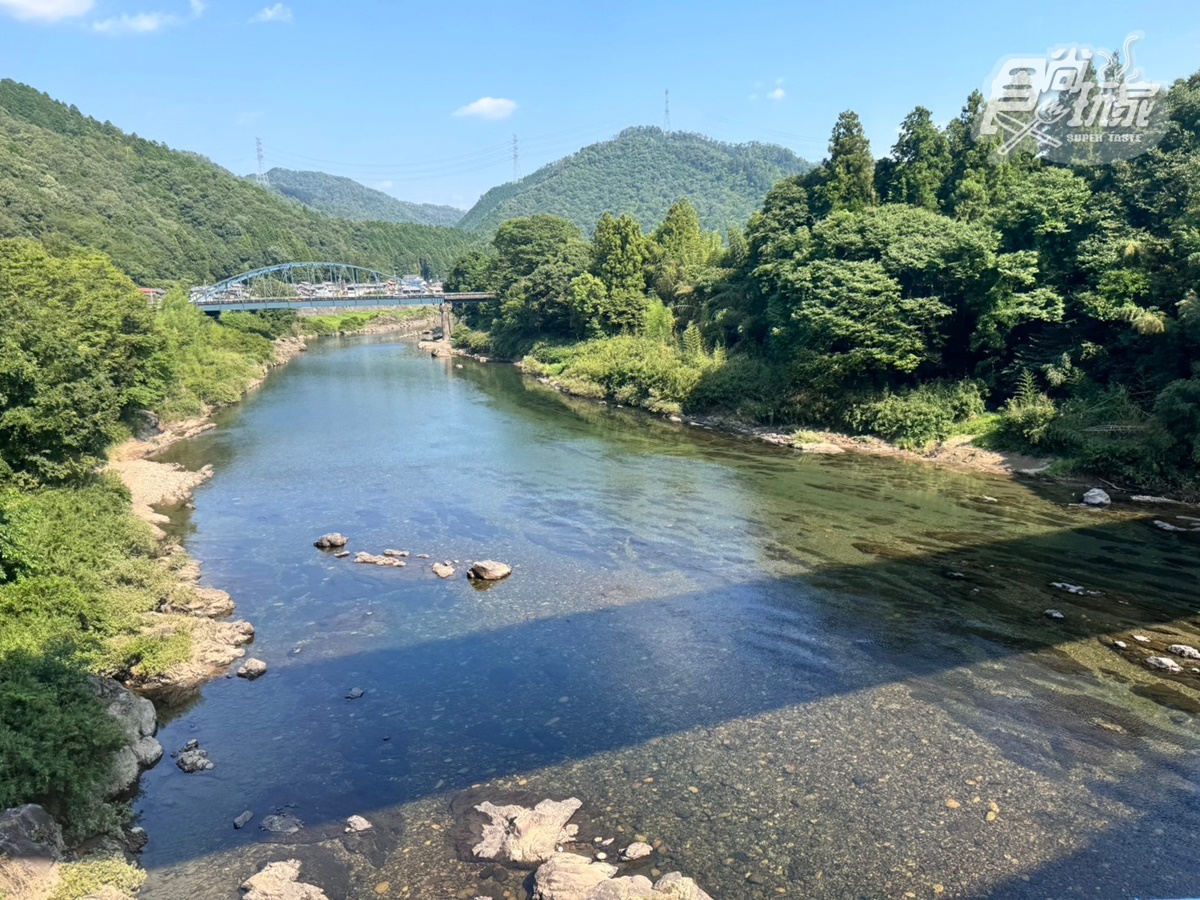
324 285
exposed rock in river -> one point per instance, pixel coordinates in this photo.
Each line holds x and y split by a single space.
526 836
1164 664
252 668
281 881
443 570
489 570
332 541
1096 497
568 876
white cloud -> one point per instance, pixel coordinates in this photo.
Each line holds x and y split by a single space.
488 108
146 23
46 10
777 94
277 13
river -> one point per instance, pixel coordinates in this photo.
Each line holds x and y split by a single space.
804 676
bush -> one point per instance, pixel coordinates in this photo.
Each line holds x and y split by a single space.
635 371
477 342
88 876
918 417
1028 415
56 740
745 385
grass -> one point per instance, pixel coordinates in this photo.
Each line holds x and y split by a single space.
88 876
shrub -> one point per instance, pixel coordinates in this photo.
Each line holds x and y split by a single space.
918 417
90 875
1028 415
56 740
478 342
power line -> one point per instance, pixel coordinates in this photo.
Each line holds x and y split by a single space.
516 160
667 109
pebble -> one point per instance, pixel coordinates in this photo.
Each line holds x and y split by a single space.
1120 645
383 887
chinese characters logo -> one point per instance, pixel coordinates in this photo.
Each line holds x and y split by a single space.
1076 105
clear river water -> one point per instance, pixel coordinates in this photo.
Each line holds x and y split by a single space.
797 676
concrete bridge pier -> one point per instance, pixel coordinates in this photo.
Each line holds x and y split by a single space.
447 321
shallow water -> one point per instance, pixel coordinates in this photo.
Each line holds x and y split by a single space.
810 677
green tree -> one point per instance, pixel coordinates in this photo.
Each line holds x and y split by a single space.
76 345
921 162
846 180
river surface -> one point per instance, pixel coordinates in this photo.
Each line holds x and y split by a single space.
798 676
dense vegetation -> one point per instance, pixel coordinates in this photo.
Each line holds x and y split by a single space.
901 296
164 216
81 355
641 172
348 199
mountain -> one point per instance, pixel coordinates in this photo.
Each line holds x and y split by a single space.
163 215
642 172
348 199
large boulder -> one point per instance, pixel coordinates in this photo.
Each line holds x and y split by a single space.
137 719
281 881
489 570
568 876
30 845
526 836
1096 497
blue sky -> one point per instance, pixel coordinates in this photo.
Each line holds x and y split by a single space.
370 88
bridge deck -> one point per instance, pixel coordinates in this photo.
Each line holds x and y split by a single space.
259 303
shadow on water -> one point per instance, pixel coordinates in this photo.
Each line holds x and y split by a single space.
443 715
950 608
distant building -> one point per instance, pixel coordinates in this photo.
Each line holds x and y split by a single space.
152 294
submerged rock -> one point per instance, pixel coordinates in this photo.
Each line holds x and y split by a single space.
373 560
281 881
355 693
357 823
1096 497
281 824
331 541
243 820
1054 614
489 570
1164 664
526 835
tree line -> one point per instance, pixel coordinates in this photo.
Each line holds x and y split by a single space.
936 289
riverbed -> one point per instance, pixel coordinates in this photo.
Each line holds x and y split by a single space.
800 676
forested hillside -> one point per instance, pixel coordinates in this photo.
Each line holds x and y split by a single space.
932 292
346 198
164 215
642 172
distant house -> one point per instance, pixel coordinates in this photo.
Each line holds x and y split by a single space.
152 294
